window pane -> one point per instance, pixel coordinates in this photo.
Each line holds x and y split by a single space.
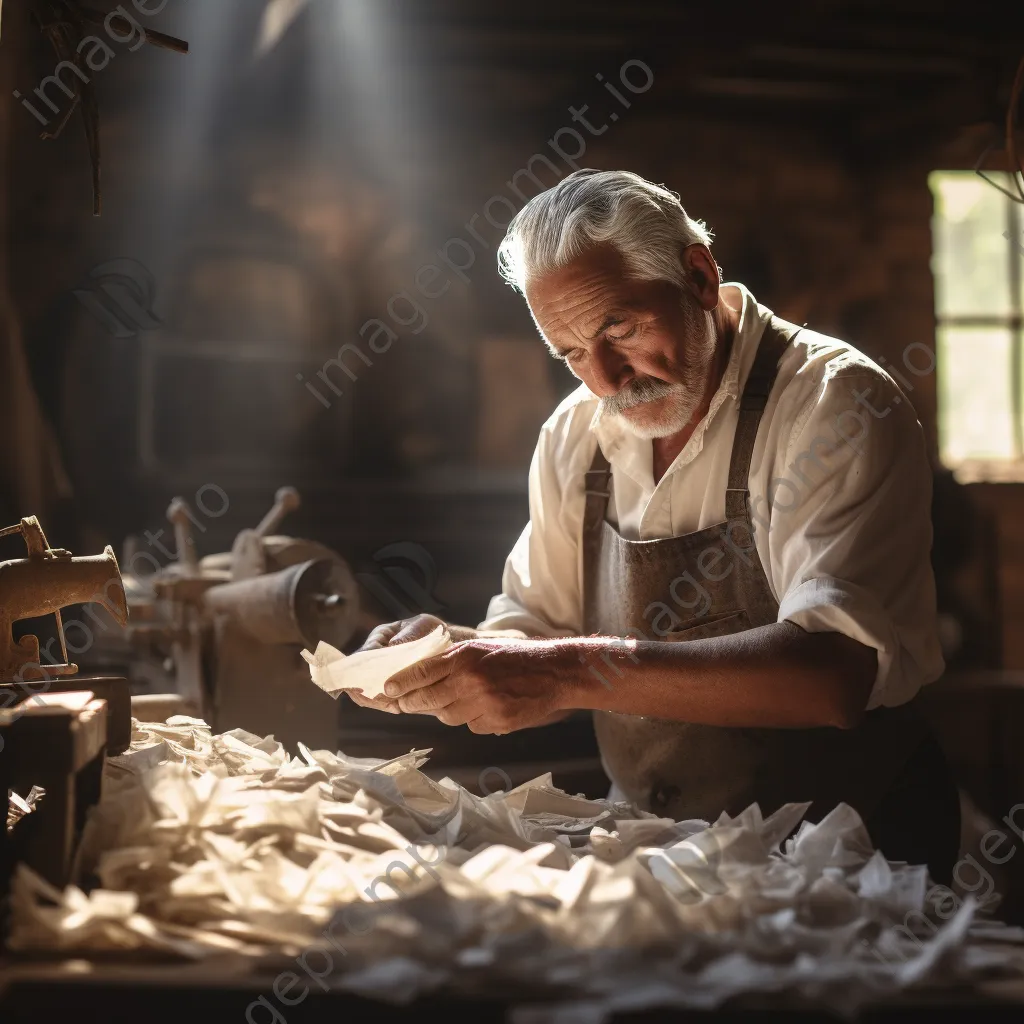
975 411
971 252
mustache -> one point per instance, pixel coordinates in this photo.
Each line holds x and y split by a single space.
639 392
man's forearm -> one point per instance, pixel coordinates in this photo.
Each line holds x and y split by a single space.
458 633
777 676
498 634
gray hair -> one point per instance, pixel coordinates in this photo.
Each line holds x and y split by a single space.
645 222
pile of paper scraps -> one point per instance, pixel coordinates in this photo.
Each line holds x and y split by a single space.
206 846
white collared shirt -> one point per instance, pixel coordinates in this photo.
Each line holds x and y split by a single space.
840 497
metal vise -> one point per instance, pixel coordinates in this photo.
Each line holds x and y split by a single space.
47 580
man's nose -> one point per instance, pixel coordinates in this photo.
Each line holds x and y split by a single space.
609 370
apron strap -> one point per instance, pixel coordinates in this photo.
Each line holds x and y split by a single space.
758 600
776 339
597 485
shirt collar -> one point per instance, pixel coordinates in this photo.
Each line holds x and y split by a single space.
614 438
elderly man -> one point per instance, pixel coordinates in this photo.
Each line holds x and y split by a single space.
727 558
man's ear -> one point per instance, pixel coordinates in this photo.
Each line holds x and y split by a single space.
701 273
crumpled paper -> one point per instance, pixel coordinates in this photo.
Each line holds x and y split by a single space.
368 671
204 846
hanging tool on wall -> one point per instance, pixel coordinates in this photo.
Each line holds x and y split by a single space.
69 25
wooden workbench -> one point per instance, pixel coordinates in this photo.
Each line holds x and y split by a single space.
112 992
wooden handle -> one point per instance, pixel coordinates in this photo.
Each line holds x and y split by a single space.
160 39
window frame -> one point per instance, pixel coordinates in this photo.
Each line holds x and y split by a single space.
992 468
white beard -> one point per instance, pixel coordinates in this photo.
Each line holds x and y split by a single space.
680 400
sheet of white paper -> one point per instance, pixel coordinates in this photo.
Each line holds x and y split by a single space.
368 671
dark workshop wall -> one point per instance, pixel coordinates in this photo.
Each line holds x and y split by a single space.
279 210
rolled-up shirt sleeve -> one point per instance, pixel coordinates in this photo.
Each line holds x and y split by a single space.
540 584
850 529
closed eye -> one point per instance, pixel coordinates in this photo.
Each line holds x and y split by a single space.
617 333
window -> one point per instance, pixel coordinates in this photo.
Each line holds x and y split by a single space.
978 265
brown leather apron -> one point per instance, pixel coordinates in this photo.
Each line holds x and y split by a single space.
889 768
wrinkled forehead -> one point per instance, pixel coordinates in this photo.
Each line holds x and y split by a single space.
593 282
594 290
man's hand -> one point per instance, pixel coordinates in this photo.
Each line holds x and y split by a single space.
401 632
493 686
